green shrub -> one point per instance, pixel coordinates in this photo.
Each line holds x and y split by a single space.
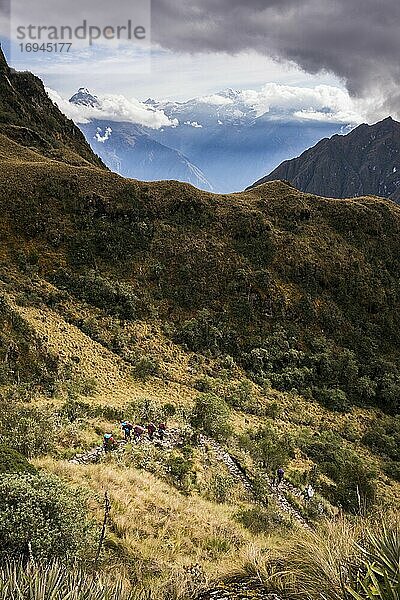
74 410
378 578
30 431
12 461
269 449
383 437
334 399
210 416
355 480
114 297
146 367
220 487
168 410
392 469
180 469
40 515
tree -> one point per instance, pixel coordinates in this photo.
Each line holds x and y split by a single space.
210 415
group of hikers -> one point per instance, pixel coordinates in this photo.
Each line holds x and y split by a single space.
135 431
308 492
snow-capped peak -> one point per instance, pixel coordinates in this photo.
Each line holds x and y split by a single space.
84 98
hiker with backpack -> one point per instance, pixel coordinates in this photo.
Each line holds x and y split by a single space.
151 429
279 476
109 442
138 431
162 428
309 492
127 427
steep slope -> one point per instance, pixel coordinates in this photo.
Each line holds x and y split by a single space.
365 161
306 292
28 116
266 315
297 275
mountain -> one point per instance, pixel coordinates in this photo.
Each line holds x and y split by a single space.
218 143
225 135
131 151
28 116
84 98
290 266
365 161
262 327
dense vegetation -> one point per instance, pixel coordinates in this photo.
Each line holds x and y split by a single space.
266 320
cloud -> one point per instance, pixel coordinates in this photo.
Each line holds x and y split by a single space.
322 102
194 124
100 137
216 100
113 108
357 40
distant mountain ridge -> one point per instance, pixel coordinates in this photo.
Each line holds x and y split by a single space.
218 143
130 149
366 161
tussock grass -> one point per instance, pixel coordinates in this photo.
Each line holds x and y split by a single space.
55 582
169 542
343 559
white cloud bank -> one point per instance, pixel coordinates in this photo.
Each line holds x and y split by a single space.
113 108
322 102
327 103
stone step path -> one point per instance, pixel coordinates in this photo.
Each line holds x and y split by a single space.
95 455
171 439
239 474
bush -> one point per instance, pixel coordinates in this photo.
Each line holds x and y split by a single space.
114 297
270 449
30 431
260 520
378 577
333 398
146 367
383 437
41 515
12 461
180 468
74 410
354 479
210 415
220 487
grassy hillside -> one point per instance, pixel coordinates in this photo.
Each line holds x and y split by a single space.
28 116
267 320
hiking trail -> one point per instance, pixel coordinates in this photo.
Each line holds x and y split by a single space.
172 439
239 474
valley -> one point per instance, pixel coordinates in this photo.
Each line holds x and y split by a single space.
261 327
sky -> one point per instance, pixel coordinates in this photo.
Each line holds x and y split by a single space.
198 47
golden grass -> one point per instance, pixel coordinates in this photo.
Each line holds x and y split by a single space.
158 533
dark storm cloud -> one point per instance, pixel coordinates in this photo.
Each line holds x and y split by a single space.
358 40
